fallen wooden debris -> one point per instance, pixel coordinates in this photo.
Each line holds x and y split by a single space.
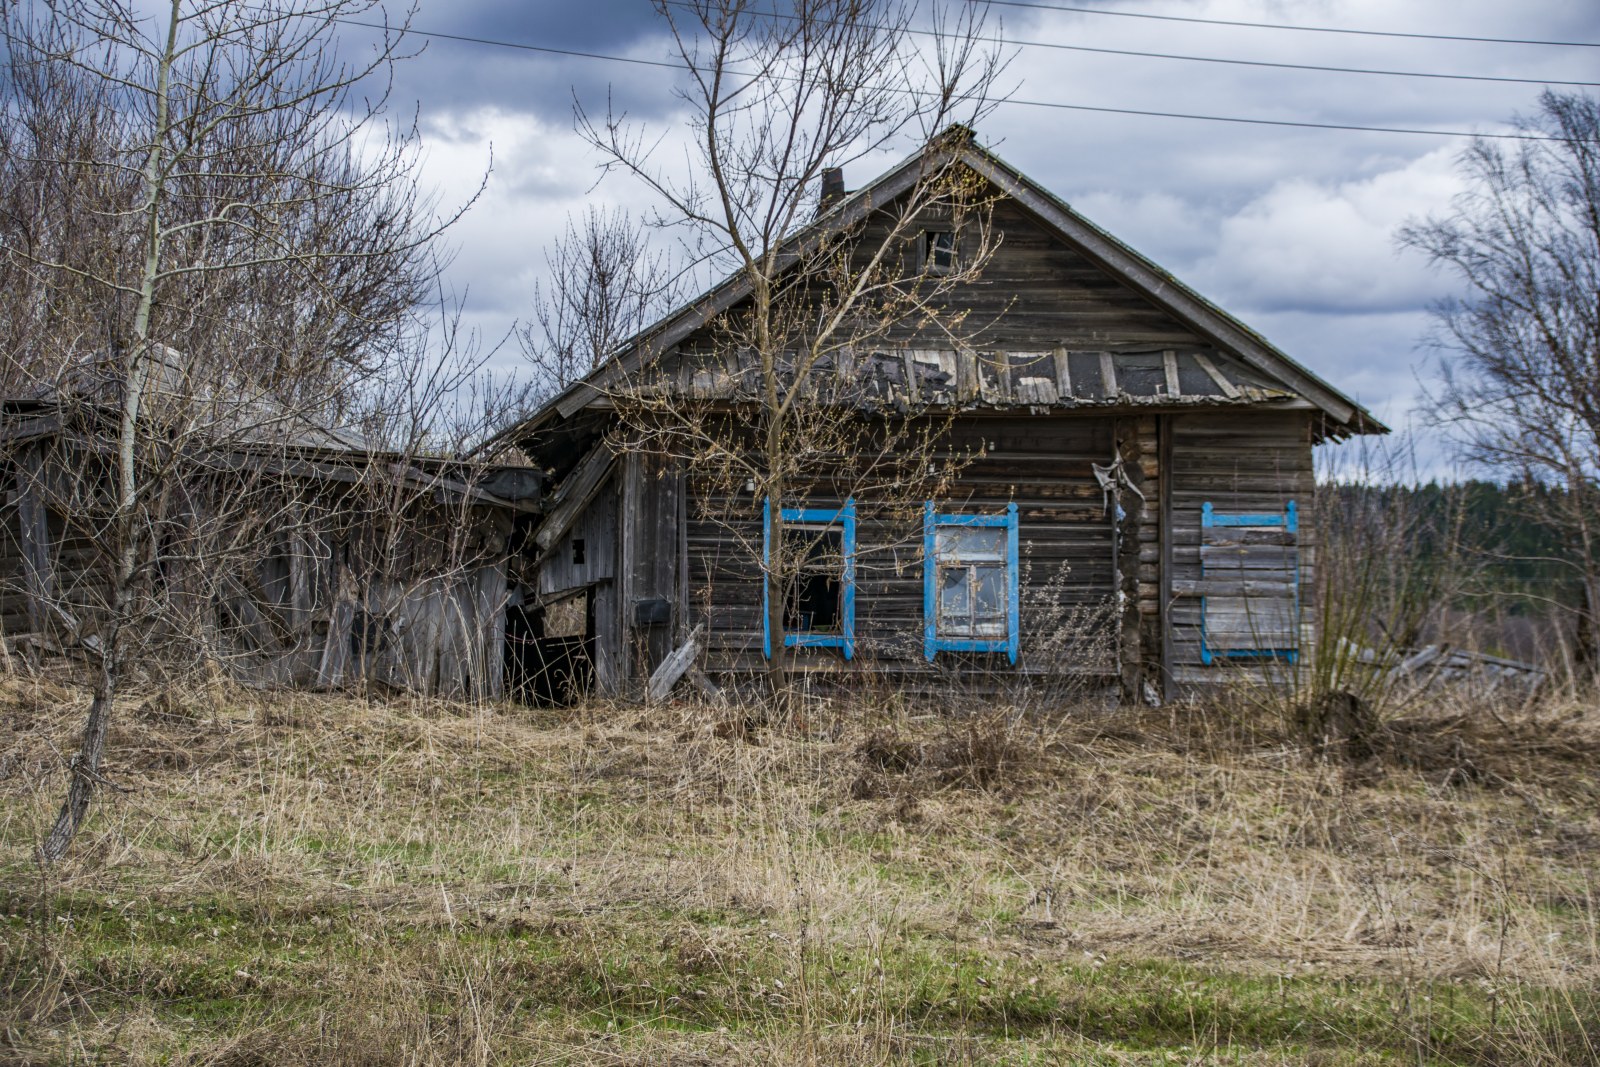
1442 665
673 667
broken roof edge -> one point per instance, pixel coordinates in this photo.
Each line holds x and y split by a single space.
959 144
1154 282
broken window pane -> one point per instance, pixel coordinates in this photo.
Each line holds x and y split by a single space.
940 251
813 601
955 597
972 601
971 543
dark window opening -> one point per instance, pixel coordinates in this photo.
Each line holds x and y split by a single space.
939 251
577 552
814 602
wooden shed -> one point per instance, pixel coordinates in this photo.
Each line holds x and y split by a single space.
1135 512
282 552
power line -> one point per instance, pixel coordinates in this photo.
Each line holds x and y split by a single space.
1276 122
1231 62
1286 26
1052 104
402 31
1288 66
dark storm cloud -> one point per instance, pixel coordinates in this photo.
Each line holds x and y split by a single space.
486 70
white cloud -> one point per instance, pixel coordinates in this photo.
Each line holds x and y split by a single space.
1331 246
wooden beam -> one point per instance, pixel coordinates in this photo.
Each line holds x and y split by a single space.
1169 363
1063 375
577 490
1229 390
673 667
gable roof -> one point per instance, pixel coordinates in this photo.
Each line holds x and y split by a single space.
1342 416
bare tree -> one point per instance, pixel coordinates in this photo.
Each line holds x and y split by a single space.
606 284
1521 371
217 250
777 102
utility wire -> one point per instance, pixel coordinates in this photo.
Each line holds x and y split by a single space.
1231 62
1053 104
1285 66
1285 26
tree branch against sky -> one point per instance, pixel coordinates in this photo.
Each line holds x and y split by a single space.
773 100
1520 349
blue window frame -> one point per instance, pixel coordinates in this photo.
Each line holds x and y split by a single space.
969 583
1250 626
822 610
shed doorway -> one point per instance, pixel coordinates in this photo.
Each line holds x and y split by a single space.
550 651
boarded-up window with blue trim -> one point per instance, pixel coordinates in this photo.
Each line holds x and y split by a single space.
1250 585
969 588
819 590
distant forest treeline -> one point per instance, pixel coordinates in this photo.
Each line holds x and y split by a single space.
1480 549
1498 531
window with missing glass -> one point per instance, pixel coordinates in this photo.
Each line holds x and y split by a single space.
939 251
819 586
970 601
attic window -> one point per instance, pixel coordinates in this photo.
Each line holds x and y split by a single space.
577 552
939 251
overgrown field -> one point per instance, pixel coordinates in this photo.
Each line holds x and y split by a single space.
298 880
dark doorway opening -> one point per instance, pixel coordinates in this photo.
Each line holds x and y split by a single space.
547 671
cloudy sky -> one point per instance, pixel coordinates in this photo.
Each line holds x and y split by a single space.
1290 229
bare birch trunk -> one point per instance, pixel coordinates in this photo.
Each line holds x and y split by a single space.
86 764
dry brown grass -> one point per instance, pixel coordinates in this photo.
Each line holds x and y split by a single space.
299 879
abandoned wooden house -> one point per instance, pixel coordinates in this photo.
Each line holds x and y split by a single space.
287 554
1140 471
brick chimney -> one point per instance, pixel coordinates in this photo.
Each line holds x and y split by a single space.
832 188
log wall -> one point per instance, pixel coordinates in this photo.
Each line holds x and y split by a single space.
1242 465
1067 565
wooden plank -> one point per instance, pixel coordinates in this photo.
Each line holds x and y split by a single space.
1108 374
1233 587
1063 375
1247 557
1227 387
336 645
608 653
908 364
1169 363
675 664
33 522
577 490
1250 535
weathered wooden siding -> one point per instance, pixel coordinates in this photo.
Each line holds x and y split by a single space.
1255 464
596 530
1066 556
1036 288
306 583
649 564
